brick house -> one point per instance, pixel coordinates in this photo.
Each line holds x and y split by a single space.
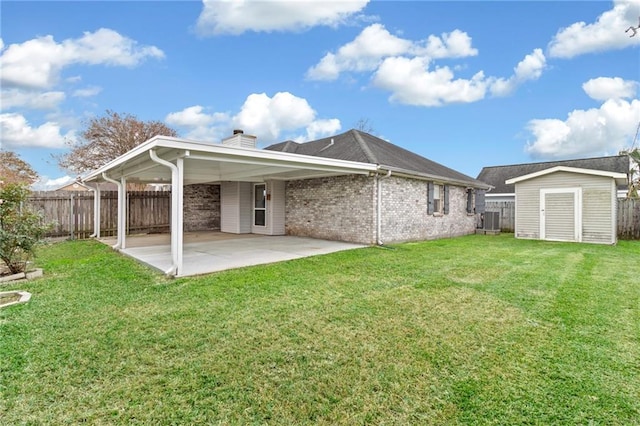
351 187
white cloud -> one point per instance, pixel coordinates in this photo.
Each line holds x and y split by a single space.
364 53
46 183
87 92
37 63
268 118
411 82
367 51
237 17
18 133
456 44
530 68
596 131
603 88
607 33
402 67
199 124
321 128
12 98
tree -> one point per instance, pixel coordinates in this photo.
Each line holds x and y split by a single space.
21 228
634 156
15 170
364 125
108 137
634 180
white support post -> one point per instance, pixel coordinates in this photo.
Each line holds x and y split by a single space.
177 214
177 187
122 211
121 230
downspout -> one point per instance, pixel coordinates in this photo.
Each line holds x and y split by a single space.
118 244
96 211
379 206
175 240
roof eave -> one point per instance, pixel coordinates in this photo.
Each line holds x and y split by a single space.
615 175
427 176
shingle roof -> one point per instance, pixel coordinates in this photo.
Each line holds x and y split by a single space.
355 145
497 175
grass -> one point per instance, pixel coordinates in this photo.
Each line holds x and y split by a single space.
472 330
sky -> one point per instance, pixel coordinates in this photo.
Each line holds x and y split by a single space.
467 84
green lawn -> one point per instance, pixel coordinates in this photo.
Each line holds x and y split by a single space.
472 330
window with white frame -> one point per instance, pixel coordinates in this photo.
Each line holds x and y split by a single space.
438 196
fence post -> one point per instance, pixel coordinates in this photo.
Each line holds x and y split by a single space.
71 217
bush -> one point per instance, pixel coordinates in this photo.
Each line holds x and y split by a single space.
21 228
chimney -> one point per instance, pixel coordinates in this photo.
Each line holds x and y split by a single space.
239 139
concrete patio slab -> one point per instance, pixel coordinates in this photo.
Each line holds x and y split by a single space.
212 252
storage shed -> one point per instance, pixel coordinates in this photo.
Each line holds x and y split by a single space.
567 204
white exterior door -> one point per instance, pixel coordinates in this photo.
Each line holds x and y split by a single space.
561 214
259 208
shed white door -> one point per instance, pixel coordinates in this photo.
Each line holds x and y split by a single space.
561 214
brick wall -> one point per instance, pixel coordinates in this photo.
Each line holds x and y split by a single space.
404 212
336 208
202 207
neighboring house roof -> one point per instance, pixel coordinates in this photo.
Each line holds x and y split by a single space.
619 177
355 145
498 175
74 186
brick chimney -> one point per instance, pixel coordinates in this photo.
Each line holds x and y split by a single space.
239 139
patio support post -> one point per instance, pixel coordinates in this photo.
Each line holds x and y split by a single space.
96 211
121 222
123 211
177 213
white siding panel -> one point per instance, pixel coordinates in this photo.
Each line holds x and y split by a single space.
560 216
235 207
276 206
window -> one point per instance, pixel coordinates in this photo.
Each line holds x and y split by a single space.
438 193
471 202
437 198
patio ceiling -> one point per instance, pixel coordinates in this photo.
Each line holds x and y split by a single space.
206 163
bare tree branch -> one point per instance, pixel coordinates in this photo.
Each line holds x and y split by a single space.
107 137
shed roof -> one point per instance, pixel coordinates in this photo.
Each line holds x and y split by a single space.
619 177
362 147
498 175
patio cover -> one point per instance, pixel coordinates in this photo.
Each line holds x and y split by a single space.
179 162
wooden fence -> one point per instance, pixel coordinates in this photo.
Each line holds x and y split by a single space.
629 219
71 212
507 210
628 216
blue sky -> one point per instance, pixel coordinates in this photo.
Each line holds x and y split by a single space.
466 84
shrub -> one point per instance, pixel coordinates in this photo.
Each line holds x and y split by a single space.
21 228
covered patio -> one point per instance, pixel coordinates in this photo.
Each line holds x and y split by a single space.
252 184
206 252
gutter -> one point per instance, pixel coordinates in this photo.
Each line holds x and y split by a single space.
378 182
173 270
96 211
